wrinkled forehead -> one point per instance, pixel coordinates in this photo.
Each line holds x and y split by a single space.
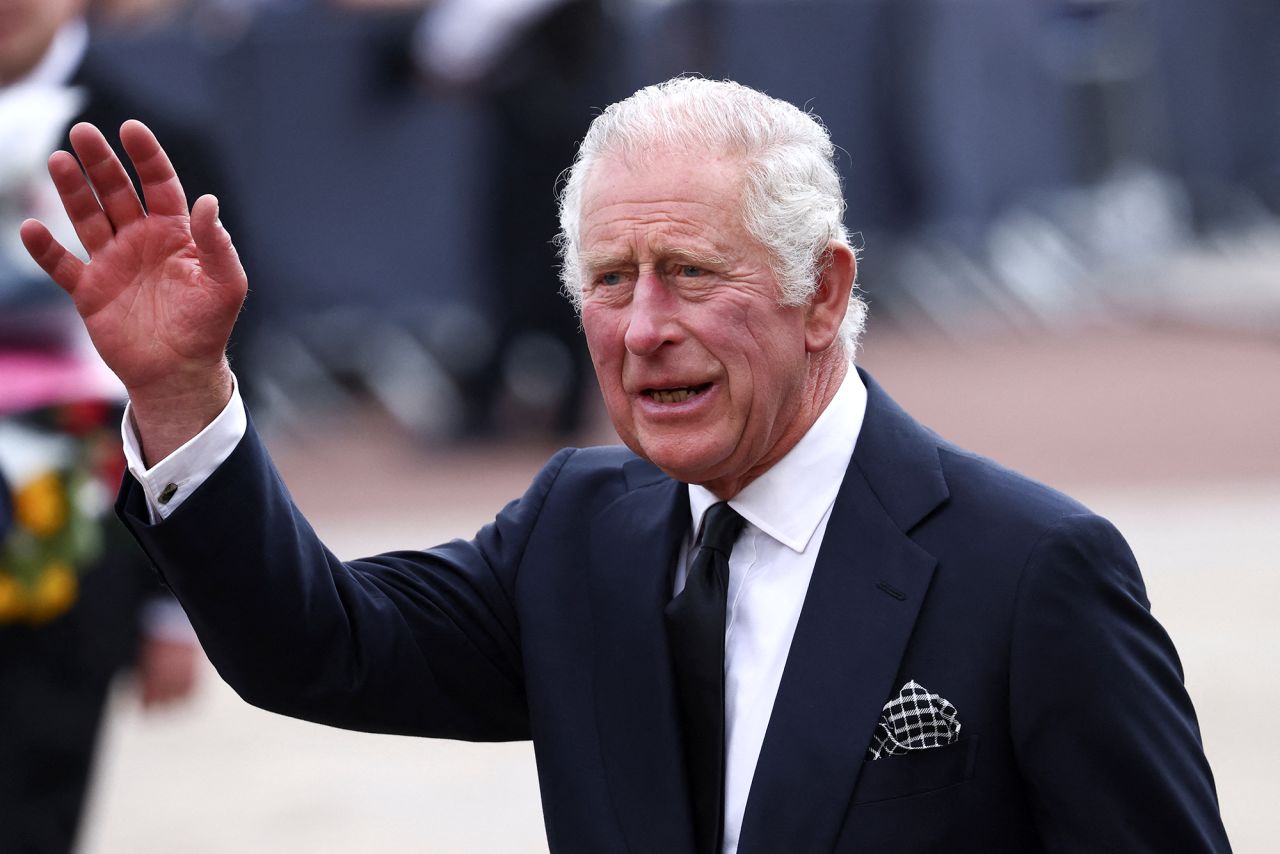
660 175
679 207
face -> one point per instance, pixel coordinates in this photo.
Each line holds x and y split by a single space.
702 371
27 27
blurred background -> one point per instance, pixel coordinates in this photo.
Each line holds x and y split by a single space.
1069 216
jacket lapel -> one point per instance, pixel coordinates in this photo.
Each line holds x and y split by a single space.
867 588
634 544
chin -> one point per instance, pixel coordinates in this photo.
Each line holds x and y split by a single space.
685 464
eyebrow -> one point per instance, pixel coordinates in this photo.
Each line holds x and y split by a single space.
595 260
604 260
698 258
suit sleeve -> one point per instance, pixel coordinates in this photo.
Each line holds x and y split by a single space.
1103 729
421 642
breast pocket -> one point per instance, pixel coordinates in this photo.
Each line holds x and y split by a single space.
917 772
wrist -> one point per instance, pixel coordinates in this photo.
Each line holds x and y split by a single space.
166 416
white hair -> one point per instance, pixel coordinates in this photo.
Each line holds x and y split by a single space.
792 202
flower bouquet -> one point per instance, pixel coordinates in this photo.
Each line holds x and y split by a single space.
60 462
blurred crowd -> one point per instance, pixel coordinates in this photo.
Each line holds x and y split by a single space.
393 163
389 167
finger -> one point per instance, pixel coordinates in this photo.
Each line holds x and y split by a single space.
160 185
106 174
63 267
213 245
86 215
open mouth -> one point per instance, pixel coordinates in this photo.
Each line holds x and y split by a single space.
675 395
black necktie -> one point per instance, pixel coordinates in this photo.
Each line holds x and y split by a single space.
695 628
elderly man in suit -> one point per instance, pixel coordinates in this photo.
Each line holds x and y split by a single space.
785 618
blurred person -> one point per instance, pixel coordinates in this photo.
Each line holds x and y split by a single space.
78 600
540 82
786 617
537 67
6 507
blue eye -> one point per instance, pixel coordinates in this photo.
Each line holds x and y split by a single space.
611 279
691 271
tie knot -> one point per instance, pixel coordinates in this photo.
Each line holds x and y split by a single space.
720 528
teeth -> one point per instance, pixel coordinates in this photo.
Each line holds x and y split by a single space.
675 395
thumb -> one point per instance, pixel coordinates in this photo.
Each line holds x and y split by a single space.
213 245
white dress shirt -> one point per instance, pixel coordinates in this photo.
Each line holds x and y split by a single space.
786 510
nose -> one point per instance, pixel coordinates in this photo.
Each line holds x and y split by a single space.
652 319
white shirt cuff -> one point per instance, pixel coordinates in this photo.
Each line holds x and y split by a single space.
163 619
168 483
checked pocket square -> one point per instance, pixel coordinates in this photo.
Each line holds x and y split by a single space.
916 719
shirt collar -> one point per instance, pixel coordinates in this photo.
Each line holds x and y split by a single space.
60 61
790 499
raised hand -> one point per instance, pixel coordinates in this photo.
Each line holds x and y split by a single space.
162 287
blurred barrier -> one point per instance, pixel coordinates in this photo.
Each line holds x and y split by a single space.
1027 164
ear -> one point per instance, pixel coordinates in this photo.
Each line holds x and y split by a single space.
830 301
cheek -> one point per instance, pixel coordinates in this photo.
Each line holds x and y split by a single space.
771 363
604 343
597 328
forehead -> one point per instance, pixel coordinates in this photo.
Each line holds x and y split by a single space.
675 193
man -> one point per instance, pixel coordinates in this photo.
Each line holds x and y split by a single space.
916 651
78 602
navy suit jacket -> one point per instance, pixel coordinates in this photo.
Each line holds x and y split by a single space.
1015 603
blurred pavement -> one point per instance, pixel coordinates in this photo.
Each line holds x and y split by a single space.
1171 433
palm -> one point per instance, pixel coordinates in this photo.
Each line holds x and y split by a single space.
148 304
162 288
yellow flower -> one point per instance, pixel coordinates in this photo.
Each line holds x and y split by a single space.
54 593
40 505
13 599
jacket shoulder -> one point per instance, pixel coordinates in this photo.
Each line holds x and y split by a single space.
986 485
602 470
